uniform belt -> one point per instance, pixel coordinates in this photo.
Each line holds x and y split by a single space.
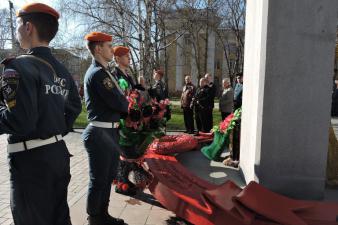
104 124
27 145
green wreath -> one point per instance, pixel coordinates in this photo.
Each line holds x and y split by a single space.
221 135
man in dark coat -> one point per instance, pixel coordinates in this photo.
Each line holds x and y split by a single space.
212 94
238 92
201 103
158 90
186 99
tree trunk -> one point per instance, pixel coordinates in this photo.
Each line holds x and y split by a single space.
141 50
147 60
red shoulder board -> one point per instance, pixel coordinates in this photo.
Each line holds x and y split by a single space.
7 60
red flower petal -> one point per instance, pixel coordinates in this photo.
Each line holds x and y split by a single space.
125 187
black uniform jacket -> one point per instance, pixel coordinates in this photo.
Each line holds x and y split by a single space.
39 97
105 101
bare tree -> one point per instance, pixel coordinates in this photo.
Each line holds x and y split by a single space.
224 17
5 29
232 28
134 23
144 26
189 19
198 19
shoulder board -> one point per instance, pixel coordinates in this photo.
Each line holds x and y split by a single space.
10 59
7 60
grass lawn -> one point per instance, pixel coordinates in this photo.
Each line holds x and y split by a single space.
175 123
81 121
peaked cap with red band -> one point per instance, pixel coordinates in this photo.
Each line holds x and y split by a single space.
98 36
120 51
37 8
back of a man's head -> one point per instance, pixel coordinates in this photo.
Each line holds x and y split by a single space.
91 46
46 25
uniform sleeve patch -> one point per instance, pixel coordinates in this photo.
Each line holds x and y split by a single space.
10 73
9 86
108 83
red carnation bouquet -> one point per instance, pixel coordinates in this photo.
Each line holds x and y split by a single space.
223 126
145 121
144 115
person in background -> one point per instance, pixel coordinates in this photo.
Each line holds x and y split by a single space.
212 94
122 59
186 99
143 88
238 91
81 91
201 104
334 103
158 90
226 101
233 160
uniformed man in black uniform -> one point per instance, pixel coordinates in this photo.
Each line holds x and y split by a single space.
122 59
105 101
40 104
158 90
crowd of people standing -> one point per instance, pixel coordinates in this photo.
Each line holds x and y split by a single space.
198 102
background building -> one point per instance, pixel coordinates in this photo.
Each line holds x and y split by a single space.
198 45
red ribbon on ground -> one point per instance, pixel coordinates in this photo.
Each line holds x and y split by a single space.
203 203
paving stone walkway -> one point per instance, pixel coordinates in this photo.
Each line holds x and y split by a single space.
79 171
141 210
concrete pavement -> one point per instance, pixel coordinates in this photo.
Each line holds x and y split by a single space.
141 210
